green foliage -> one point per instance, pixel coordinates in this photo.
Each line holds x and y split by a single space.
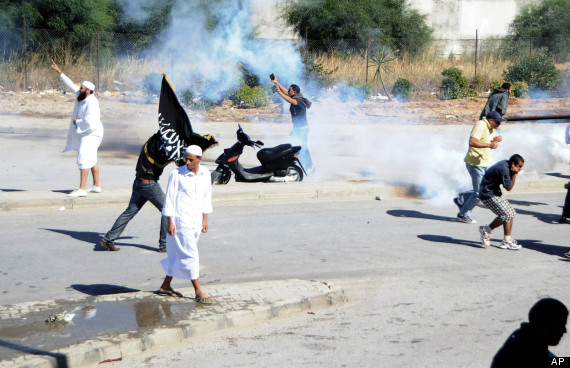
470 92
72 25
385 22
520 89
249 79
477 83
454 84
453 73
248 97
538 71
196 101
498 83
402 89
545 24
141 34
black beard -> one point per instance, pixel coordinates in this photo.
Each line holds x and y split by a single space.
82 96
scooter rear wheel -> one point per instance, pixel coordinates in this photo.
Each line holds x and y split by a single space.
296 172
220 177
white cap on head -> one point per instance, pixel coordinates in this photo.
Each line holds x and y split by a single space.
194 150
89 85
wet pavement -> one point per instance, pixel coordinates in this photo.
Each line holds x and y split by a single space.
110 327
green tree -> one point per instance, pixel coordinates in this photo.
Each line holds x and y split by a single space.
141 31
396 25
538 71
538 25
72 22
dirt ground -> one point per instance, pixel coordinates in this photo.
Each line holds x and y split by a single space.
424 109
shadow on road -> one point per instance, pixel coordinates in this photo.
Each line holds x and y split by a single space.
539 246
525 203
94 237
559 175
418 214
544 217
60 359
102 289
450 240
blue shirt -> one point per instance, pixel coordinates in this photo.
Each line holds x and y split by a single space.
495 176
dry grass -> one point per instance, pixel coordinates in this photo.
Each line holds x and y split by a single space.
128 73
424 73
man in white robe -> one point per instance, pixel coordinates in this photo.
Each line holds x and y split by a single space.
85 132
187 203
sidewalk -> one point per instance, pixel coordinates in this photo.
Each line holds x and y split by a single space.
109 327
51 200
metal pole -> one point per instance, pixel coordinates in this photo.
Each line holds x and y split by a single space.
367 55
98 64
476 48
25 56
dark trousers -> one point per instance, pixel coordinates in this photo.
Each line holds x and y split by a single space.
141 194
566 208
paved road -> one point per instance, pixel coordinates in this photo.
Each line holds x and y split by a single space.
421 290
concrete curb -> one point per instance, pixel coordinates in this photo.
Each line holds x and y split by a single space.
236 306
27 201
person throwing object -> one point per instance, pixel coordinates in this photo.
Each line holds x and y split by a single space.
187 204
298 109
85 132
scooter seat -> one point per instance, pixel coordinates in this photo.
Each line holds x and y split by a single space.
278 157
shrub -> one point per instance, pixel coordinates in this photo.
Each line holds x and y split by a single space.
477 83
537 70
402 89
247 97
196 101
470 92
498 83
520 90
249 79
454 84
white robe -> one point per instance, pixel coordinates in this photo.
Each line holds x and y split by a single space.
88 134
188 197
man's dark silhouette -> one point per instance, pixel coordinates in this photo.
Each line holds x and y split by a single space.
528 346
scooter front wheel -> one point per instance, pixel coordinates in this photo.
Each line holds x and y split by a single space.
220 177
295 172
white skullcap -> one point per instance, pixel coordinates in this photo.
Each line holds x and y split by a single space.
89 85
194 150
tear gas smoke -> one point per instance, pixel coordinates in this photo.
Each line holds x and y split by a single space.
344 142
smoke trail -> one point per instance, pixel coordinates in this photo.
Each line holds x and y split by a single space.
344 142
206 42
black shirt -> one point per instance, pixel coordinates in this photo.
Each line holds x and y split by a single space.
495 176
152 160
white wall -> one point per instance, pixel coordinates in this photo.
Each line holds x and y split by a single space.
450 19
458 19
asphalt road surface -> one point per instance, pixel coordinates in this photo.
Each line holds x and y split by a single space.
421 291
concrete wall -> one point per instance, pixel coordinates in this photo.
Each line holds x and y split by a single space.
450 19
458 19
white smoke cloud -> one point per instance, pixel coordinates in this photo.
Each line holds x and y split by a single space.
344 142
197 51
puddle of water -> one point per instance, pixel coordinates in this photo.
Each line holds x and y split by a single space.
32 333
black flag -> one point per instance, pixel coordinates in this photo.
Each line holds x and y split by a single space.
174 128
